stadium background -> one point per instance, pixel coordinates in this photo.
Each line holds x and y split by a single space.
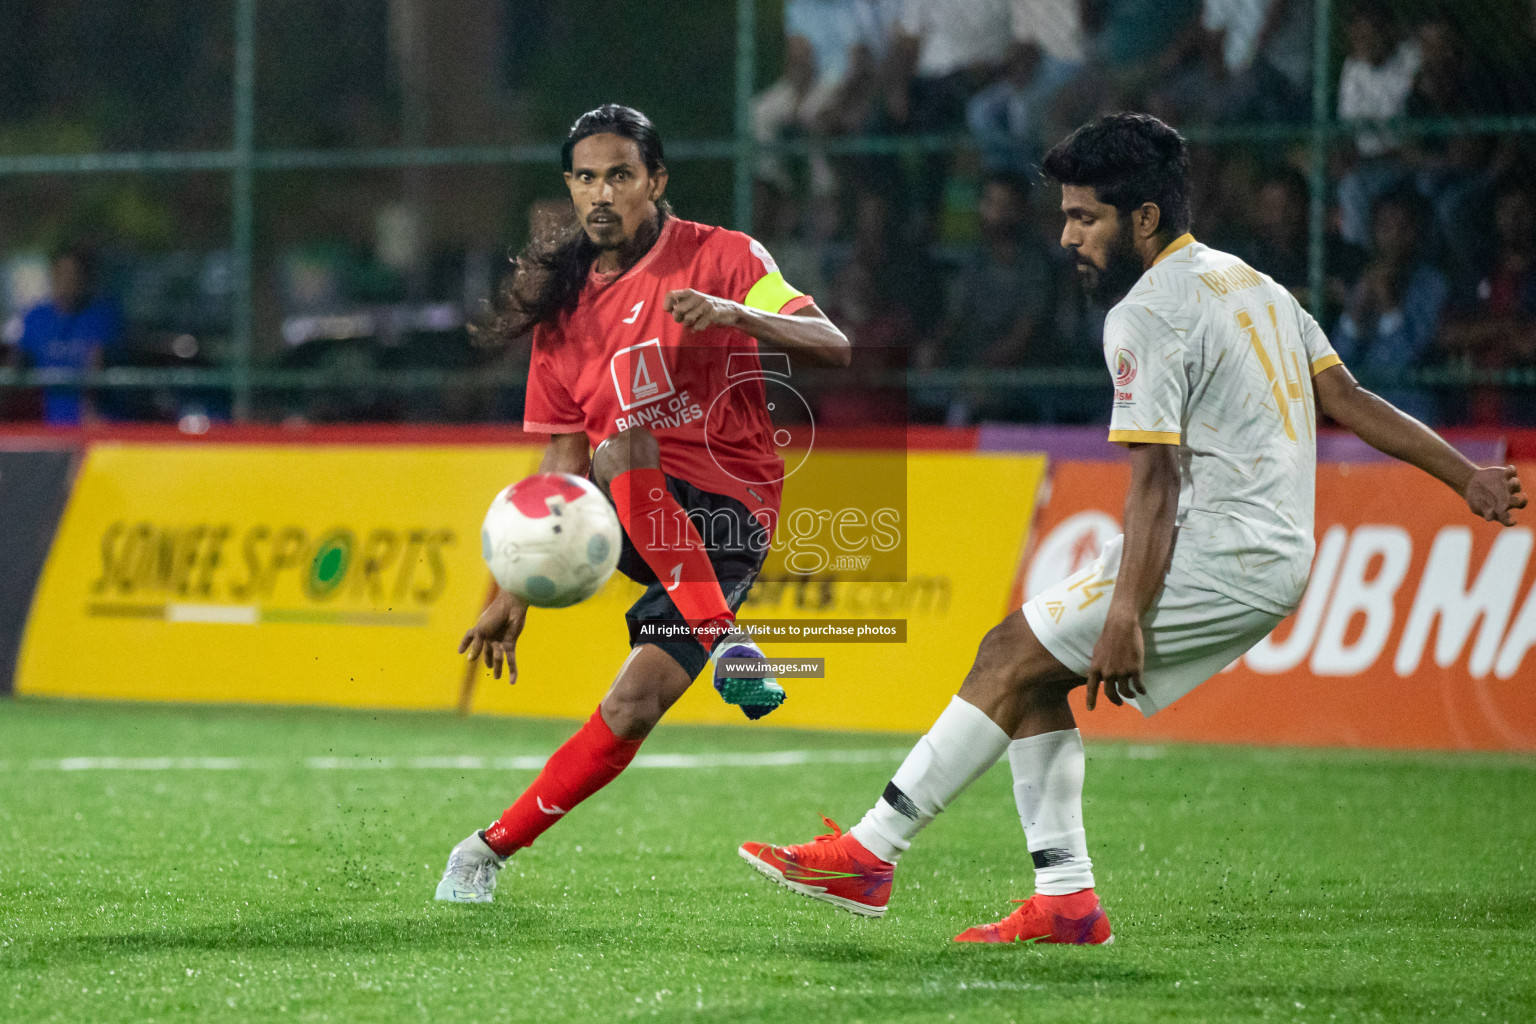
297 213
302 228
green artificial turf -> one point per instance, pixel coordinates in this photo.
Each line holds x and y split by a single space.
1242 884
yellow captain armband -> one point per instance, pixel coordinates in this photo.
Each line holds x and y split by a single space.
771 293
1322 363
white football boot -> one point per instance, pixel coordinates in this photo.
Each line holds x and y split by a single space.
471 873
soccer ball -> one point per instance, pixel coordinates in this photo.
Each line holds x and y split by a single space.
551 539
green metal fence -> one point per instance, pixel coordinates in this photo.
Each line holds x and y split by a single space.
243 161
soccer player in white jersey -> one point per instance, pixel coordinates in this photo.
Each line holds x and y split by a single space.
1219 379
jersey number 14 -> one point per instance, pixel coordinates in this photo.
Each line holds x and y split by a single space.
1293 389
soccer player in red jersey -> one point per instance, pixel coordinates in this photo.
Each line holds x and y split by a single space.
646 376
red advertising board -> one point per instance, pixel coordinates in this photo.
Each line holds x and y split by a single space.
1418 629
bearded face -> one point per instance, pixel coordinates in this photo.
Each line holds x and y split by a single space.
1101 243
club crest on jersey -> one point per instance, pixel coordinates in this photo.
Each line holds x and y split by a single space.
1125 368
640 374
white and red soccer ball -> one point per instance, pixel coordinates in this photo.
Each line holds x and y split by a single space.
552 539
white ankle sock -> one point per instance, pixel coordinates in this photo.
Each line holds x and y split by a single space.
962 744
1048 790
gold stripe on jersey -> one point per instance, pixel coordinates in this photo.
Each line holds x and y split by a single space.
1322 363
1173 247
1145 436
771 293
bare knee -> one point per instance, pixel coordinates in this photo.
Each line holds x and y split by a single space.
1001 661
632 713
635 448
649 683
1014 675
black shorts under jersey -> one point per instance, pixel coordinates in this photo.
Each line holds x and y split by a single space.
737 545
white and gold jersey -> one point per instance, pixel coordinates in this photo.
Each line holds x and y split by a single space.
1210 355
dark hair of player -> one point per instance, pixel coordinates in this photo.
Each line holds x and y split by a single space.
1128 159
549 273
616 119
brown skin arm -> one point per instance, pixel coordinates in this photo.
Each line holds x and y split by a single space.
493 637
1150 511
806 333
1491 492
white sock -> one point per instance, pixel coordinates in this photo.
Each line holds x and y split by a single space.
962 744
1048 790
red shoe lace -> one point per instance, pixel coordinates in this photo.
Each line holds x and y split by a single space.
830 837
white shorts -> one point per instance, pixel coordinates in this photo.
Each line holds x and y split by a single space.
1189 634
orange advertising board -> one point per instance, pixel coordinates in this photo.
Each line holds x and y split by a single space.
1417 630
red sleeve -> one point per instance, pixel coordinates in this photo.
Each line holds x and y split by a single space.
548 407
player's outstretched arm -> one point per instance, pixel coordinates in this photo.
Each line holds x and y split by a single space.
494 635
806 332
1491 492
1151 509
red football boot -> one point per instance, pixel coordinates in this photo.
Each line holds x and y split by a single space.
1075 919
834 868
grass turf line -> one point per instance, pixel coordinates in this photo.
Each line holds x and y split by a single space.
1243 884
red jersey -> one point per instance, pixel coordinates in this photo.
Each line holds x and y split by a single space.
619 360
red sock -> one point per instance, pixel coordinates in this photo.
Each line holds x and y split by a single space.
670 544
584 764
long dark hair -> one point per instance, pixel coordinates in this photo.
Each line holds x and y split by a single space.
548 275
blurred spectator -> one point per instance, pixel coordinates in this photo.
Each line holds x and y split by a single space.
1002 301
941 49
1392 318
1192 82
830 84
785 110
1012 118
1517 71
74 330
1377 77
1004 118
1496 329
1265 48
903 275
1455 171
1281 247
1133 32
1057 28
869 392
841 34
941 53
1284 48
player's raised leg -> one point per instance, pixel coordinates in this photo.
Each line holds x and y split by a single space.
649 683
1015 687
628 466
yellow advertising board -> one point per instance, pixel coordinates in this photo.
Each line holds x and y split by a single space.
345 575
265 574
